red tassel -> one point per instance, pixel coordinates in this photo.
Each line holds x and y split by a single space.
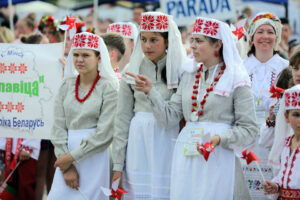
217 54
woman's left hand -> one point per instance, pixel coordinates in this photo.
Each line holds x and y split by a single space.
215 141
64 162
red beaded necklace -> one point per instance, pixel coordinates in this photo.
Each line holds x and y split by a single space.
90 91
195 104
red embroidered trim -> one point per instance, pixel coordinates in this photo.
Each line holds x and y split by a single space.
291 168
90 91
284 171
289 194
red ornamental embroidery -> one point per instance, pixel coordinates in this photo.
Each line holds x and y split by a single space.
116 28
147 22
2 68
22 68
1 106
126 30
211 28
81 41
9 106
12 68
93 41
287 99
162 22
295 99
198 25
75 40
19 107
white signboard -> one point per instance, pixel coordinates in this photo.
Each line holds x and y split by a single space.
186 11
30 76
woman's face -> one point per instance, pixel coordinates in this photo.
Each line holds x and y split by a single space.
296 74
22 29
85 61
264 38
153 45
49 34
203 51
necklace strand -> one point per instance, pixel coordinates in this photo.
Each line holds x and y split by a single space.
201 103
90 91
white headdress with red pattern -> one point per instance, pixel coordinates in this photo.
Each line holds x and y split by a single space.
290 101
176 54
125 29
90 41
235 74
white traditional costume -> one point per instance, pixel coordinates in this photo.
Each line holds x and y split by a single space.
262 76
288 163
83 127
228 112
137 133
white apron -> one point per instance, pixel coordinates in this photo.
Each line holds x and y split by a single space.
193 178
148 159
93 173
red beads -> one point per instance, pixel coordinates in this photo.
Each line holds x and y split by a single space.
208 90
90 91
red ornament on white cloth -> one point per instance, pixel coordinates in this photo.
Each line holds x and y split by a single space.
86 40
154 22
207 27
125 29
292 98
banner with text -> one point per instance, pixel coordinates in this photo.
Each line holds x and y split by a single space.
30 75
186 11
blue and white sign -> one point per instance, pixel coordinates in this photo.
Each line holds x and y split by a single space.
186 11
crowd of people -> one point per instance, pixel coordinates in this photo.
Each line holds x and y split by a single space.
138 101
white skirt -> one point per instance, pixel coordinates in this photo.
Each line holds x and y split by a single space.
193 178
93 173
148 163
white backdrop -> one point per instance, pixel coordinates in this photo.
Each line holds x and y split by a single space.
30 76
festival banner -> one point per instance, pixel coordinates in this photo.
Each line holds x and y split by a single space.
30 75
186 11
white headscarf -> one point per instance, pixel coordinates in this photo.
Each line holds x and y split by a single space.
176 55
265 18
235 74
290 100
125 29
90 41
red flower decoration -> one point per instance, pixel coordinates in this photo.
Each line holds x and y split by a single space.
93 41
162 22
12 68
75 41
126 30
22 68
295 99
147 22
9 106
2 68
79 40
287 99
198 25
116 28
211 28
1 106
19 107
